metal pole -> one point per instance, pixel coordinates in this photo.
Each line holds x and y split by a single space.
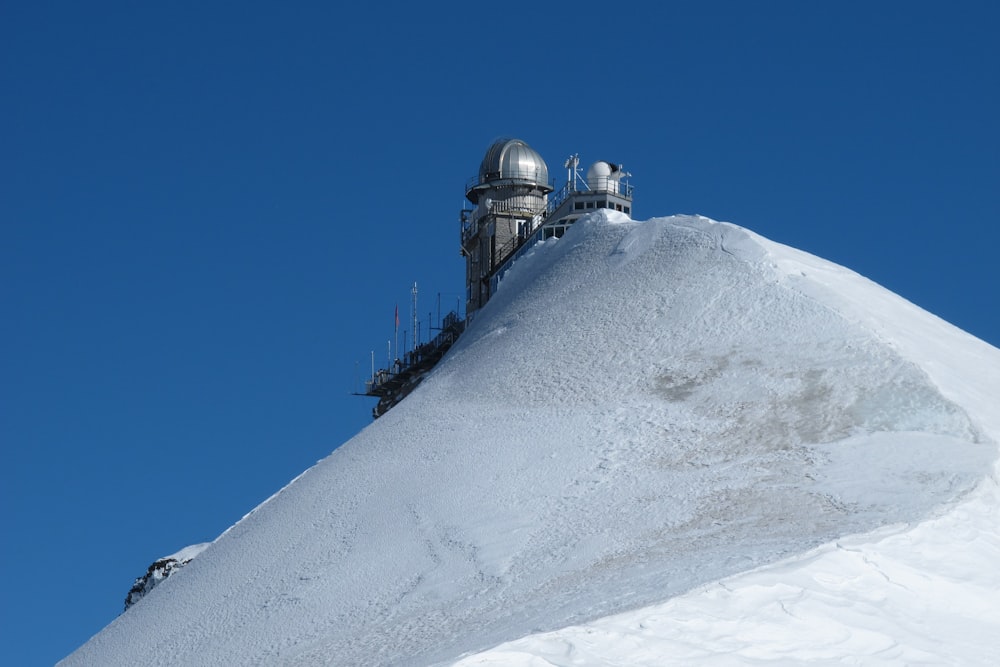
416 331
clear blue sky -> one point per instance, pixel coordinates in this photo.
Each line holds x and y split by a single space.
210 210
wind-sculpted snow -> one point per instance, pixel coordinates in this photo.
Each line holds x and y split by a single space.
641 410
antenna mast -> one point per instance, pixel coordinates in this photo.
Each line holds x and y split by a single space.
572 170
416 331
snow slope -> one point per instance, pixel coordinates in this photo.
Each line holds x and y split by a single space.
643 411
910 593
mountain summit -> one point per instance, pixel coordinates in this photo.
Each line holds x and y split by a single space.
643 409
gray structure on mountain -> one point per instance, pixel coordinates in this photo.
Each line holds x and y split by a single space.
515 206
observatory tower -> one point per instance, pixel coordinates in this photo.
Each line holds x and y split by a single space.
513 209
510 196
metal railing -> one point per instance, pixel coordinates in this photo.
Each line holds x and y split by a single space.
389 380
508 176
620 187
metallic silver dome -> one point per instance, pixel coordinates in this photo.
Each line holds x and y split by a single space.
514 160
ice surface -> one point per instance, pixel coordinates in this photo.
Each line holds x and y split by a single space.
643 410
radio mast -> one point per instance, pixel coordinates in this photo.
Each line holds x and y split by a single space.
416 331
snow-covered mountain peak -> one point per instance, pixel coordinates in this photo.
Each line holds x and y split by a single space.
642 409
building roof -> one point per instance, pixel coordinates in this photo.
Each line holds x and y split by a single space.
511 161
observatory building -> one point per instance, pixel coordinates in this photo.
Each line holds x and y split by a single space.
514 206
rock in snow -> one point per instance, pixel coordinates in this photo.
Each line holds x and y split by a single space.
660 442
160 570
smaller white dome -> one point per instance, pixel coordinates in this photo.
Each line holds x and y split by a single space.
603 176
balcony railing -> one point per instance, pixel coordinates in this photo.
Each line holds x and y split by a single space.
510 176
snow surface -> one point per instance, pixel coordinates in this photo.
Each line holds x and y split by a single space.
659 443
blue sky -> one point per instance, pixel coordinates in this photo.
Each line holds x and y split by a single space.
209 212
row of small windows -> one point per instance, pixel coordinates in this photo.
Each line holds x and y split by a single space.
581 205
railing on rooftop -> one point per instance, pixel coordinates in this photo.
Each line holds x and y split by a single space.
601 184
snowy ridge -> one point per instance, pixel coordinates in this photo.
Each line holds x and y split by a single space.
641 413
903 594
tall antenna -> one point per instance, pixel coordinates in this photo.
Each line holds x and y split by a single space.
416 331
572 170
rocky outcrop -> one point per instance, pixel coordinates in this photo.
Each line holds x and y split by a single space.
160 570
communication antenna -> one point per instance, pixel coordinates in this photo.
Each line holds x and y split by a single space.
572 170
416 330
